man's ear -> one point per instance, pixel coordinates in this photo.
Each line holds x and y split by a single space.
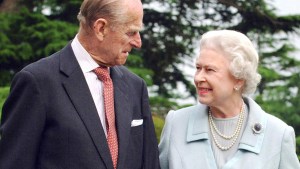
100 27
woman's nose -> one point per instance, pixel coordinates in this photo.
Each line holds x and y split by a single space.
199 77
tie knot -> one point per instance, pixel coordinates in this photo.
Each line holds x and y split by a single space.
102 73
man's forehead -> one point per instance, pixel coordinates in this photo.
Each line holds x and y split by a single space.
137 27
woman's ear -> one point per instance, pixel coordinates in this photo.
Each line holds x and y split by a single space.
100 28
239 84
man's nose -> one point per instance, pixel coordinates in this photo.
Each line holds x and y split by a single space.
136 42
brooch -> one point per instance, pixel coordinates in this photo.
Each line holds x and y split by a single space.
257 128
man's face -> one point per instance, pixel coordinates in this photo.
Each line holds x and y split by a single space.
120 40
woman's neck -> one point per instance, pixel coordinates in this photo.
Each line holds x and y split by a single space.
228 110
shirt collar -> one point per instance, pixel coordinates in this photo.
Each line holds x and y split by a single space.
86 62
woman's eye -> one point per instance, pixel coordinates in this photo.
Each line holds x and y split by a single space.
210 69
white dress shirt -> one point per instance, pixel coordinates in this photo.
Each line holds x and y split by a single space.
87 65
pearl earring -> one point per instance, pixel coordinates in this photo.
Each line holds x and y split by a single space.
236 88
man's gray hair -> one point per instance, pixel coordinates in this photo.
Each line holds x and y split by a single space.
111 10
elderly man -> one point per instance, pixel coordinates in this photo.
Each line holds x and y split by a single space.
80 108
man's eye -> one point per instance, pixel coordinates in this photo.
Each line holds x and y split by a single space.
131 33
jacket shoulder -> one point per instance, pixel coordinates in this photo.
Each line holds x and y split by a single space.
185 113
275 123
126 72
48 63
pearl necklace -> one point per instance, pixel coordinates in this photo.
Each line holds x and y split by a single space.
235 134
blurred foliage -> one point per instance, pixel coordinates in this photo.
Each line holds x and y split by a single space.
135 64
297 147
27 37
158 124
3 95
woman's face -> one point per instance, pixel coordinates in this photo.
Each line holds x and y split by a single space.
213 81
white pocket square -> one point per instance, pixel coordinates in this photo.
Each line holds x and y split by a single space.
136 122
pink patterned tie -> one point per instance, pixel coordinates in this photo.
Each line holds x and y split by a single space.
108 93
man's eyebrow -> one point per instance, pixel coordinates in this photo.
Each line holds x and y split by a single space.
139 28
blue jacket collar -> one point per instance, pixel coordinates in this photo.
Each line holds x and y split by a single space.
198 127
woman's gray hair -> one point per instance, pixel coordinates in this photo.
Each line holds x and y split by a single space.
111 10
241 53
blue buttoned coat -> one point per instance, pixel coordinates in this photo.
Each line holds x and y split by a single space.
185 142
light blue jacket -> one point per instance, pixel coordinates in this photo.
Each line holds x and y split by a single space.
185 142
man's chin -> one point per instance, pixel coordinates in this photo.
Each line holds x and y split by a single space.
121 61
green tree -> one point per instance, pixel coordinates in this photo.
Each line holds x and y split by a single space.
26 37
3 95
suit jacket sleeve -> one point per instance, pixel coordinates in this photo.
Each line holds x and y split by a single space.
150 155
288 157
22 123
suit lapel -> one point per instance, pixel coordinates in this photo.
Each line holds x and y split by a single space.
78 91
122 111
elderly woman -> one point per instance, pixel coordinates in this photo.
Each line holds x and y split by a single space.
227 129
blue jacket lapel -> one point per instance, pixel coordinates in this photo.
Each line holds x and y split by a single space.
250 140
198 130
198 124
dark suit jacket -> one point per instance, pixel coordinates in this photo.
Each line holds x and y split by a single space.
50 121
